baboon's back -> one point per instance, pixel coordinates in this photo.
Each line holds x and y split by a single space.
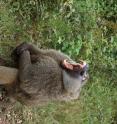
44 75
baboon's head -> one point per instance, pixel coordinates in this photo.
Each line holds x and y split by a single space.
75 75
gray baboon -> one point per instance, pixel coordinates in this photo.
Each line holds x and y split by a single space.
46 75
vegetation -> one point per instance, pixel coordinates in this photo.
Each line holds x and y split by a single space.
85 29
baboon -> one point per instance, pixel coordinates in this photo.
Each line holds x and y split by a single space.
45 75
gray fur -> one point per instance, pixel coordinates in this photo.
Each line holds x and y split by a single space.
44 79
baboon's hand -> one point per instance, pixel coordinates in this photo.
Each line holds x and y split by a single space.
18 50
22 47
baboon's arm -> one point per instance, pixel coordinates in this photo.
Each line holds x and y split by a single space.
24 63
8 75
58 56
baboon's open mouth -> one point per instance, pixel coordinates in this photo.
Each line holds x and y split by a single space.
71 65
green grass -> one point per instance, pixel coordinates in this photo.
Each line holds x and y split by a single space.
79 32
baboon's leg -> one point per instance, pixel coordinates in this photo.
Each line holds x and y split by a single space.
8 76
